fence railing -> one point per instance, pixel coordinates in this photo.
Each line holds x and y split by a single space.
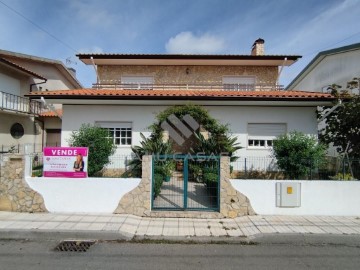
117 167
20 104
330 168
25 148
203 87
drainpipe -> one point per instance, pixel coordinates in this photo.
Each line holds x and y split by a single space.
330 111
95 68
50 106
33 84
42 133
281 69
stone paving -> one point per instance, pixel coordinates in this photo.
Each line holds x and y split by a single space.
133 226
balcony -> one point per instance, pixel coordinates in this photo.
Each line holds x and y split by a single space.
18 104
201 87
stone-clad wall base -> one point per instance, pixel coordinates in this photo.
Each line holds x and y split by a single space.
137 202
232 203
15 194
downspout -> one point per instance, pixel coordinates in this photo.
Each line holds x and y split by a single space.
281 69
50 106
95 68
33 84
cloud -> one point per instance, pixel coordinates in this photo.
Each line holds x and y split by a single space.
187 42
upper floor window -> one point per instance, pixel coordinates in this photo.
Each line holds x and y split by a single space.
137 82
261 136
119 132
239 83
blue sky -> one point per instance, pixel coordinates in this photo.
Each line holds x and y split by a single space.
302 27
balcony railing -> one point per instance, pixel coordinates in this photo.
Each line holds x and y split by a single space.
203 87
14 103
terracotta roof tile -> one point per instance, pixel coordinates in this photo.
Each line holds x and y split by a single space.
51 113
119 94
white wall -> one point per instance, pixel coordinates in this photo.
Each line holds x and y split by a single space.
9 84
336 198
88 195
337 68
296 118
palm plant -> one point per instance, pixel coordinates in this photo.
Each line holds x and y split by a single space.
148 146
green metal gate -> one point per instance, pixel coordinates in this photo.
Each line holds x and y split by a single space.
185 182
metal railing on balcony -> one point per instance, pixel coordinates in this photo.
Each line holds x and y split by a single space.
201 86
14 103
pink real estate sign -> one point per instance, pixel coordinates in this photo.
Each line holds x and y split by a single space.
70 162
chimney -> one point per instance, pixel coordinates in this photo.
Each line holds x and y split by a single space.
72 71
258 47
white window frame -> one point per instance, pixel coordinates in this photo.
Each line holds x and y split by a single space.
131 82
232 85
117 129
264 141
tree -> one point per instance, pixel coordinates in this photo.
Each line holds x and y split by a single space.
100 146
342 127
297 154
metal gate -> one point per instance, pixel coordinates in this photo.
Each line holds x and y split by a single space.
185 182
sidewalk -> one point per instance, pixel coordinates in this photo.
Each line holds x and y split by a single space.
133 227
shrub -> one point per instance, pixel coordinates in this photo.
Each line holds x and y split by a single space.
158 181
100 146
297 154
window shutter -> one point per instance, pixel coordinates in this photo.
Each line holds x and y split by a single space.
266 130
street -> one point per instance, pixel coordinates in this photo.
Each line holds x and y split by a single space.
40 254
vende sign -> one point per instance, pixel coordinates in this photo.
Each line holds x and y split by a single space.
65 162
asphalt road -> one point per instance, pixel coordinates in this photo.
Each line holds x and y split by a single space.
39 254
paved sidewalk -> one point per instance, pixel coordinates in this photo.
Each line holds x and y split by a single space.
130 227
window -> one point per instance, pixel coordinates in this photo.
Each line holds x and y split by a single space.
261 136
120 133
137 82
17 131
239 83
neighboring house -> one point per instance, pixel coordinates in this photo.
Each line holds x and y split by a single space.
335 66
24 121
238 90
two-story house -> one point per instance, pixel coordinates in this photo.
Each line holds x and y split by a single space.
239 90
24 121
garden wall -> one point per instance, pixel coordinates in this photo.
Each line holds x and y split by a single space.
336 198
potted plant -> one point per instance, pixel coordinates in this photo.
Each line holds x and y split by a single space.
168 169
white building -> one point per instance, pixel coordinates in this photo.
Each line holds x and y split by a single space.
238 90
335 66
23 121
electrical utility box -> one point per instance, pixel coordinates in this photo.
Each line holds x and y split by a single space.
288 194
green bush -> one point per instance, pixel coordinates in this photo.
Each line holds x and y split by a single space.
100 146
298 154
158 181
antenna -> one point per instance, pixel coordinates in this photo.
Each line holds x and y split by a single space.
69 61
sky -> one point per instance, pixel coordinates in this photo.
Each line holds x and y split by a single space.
59 29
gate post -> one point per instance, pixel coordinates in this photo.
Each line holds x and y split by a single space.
138 201
232 203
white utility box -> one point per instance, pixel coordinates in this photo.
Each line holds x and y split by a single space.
288 194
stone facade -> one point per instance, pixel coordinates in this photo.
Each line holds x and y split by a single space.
232 203
15 194
137 201
188 74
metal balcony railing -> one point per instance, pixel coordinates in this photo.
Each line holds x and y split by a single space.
14 103
203 87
